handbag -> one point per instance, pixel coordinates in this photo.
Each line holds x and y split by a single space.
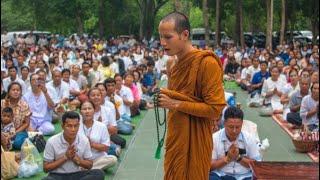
39 141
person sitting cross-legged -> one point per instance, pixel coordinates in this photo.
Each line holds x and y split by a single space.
66 154
233 149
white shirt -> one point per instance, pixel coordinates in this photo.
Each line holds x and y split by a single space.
57 146
106 116
38 106
127 62
73 85
112 108
222 145
114 66
307 104
97 74
7 81
97 133
251 71
244 73
119 102
269 85
58 93
138 58
126 93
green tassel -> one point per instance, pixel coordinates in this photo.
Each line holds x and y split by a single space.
158 152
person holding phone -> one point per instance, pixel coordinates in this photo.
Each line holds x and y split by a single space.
40 103
233 150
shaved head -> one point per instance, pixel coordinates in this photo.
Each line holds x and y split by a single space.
180 20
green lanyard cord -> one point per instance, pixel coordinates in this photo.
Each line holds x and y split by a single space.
159 123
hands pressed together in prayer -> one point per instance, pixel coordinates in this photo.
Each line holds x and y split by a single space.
233 153
71 154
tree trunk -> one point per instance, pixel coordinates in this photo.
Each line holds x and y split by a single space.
269 24
79 22
101 18
148 11
206 20
283 21
218 24
239 25
150 16
315 20
177 5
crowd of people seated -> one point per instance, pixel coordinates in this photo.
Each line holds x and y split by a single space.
94 87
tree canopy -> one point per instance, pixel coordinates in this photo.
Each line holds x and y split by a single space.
141 17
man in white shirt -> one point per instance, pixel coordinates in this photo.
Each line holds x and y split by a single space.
72 84
123 124
233 149
68 155
126 95
59 92
12 71
254 68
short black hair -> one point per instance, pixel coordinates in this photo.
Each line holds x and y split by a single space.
12 67
66 70
7 110
264 62
70 115
24 67
233 112
109 80
181 21
117 75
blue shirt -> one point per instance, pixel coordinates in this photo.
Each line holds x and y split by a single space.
148 79
258 77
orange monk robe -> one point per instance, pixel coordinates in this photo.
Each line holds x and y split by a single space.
196 79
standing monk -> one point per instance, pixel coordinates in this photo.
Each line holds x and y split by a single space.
195 99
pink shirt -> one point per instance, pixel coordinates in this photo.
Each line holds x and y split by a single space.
135 92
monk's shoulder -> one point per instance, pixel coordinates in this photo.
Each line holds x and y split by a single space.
210 62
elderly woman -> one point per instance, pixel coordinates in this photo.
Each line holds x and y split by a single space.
21 113
291 87
98 136
102 113
272 90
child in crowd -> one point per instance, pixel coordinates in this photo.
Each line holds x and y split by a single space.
8 130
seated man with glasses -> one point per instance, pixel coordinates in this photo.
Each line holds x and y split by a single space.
233 149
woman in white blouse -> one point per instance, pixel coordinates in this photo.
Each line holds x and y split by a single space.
98 136
272 90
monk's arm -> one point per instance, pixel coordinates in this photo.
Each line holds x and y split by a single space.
212 92
200 109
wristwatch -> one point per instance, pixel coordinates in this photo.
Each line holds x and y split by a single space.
77 161
239 158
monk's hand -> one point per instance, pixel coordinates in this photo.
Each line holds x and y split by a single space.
167 102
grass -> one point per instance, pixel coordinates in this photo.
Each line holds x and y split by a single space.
108 173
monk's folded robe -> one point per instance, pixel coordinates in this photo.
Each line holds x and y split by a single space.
196 80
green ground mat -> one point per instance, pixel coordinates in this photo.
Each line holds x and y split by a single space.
110 172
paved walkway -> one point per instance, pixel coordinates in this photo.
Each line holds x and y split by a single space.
139 162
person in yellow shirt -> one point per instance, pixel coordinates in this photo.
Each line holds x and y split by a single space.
105 68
